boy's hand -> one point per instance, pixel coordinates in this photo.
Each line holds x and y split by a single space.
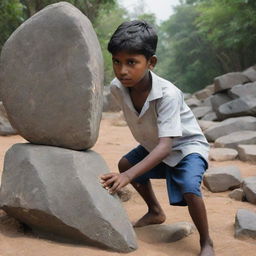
113 182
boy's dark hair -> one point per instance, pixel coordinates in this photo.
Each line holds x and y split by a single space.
134 37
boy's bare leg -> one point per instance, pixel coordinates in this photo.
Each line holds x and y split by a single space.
155 214
197 212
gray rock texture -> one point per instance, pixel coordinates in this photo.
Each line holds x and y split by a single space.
204 124
235 138
109 102
247 153
205 93
165 233
52 78
230 125
237 194
211 116
5 126
229 80
218 99
193 102
57 193
244 106
222 154
250 73
222 178
199 112
245 224
243 90
249 187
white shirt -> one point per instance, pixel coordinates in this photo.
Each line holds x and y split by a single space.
164 114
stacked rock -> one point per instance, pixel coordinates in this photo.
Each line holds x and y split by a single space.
52 89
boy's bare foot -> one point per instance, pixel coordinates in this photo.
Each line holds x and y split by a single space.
149 219
207 249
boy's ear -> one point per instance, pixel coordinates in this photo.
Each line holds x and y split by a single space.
152 62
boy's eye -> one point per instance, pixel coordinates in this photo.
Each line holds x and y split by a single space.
115 61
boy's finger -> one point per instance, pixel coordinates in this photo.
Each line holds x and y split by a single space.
109 182
114 187
106 176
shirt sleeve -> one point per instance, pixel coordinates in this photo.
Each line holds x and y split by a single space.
168 116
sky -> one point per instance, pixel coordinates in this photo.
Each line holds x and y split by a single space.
161 8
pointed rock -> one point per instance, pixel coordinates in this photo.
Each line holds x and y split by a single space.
249 187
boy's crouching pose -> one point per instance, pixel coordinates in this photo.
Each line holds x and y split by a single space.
172 145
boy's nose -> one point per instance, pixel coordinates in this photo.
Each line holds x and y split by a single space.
123 70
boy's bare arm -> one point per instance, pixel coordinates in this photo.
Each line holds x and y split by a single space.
115 181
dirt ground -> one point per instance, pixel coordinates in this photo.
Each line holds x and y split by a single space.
113 142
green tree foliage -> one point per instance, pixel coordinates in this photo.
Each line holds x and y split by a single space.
185 58
205 38
11 16
230 27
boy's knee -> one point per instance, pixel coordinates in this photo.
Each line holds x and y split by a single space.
124 165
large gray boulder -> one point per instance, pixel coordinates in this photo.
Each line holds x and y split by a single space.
244 106
235 138
229 80
5 126
243 90
249 187
230 125
245 224
57 193
247 153
222 178
52 78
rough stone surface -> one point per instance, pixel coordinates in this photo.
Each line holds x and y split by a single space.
193 102
243 90
237 194
109 102
230 125
218 99
245 224
247 153
165 233
204 124
222 154
222 178
250 73
205 93
52 78
228 80
207 101
5 126
199 112
249 187
57 193
211 116
244 106
235 138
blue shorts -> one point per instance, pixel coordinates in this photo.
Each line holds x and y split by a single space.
185 177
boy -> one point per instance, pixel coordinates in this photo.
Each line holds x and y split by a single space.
172 145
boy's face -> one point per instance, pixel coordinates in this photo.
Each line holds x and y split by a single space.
131 69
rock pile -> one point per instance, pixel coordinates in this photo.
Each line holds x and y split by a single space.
226 112
51 87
